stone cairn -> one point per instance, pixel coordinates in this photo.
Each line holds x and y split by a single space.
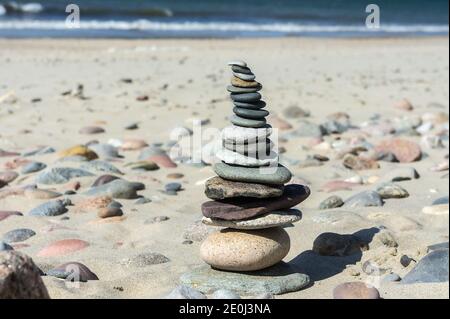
249 195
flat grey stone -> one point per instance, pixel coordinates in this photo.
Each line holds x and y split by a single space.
61 175
18 235
250 114
441 201
246 97
272 219
279 279
54 208
118 188
241 69
364 199
253 106
238 90
240 121
105 150
4 246
431 268
263 175
101 166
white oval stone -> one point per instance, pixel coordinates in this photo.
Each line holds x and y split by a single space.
272 219
442 209
233 158
241 135
238 63
245 250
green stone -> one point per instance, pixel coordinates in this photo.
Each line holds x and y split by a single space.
279 279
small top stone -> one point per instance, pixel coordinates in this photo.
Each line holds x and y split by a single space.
238 63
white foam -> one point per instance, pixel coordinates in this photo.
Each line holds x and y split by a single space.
147 25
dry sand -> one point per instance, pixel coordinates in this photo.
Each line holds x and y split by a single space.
187 79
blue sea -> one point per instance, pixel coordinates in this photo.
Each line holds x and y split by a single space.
222 19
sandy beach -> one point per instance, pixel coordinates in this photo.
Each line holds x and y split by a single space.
389 88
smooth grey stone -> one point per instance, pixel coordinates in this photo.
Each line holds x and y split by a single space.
61 175
253 106
118 188
238 90
105 150
4 246
101 166
39 151
74 158
115 204
143 201
245 77
246 97
279 279
389 190
364 199
305 129
331 202
438 246
238 63
224 294
250 114
175 187
431 268
441 201
33 167
53 208
184 292
263 175
240 121
241 69
332 244
18 235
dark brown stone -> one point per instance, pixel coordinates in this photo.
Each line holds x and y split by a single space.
20 278
246 207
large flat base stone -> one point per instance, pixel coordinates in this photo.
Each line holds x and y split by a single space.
279 279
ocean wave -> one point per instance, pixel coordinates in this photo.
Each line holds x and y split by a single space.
14 7
286 28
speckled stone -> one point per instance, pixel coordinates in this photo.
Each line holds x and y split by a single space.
240 121
355 290
245 250
279 279
235 81
272 219
263 175
218 188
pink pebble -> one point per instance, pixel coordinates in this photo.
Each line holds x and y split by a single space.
63 247
163 161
